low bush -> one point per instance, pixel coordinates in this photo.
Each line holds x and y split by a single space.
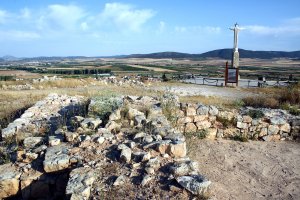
226 122
255 114
240 137
103 106
201 134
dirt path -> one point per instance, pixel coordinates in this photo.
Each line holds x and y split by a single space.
208 91
251 170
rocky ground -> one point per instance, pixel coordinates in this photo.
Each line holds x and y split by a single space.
249 170
134 153
135 148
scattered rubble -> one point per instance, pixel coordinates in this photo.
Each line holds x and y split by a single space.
129 151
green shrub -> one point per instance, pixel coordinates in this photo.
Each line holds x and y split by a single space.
169 105
226 122
238 103
103 106
255 114
240 137
201 134
4 157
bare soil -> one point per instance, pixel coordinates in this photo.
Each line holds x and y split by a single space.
249 170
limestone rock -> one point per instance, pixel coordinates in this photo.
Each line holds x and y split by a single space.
273 130
247 119
126 155
196 184
177 150
70 136
9 180
120 180
269 138
162 146
146 180
277 121
100 140
32 142
241 125
203 125
80 183
199 118
115 115
180 169
175 137
184 120
263 132
134 112
55 140
190 128
91 123
213 110
202 110
191 111
211 133
285 128
56 159
139 120
113 126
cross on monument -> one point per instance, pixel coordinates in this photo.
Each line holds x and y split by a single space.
235 53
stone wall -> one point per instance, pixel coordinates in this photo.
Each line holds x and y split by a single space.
274 125
46 116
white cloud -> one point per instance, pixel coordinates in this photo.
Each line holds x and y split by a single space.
180 29
3 16
61 17
289 27
84 26
25 13
125 16
198 29
18 35
161 27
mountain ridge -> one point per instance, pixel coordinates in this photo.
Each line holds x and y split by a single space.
218 53
221 53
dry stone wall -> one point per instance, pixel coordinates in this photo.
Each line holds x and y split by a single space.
46 116
265 124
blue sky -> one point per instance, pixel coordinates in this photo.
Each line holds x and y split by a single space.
101 28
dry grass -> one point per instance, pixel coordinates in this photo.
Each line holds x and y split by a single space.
261 101
221 102
13 101
275 97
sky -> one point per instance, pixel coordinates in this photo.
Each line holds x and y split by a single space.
30 28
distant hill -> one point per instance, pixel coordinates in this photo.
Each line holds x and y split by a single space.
219 53
8 58
222 53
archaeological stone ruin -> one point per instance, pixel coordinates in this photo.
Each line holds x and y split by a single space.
70 147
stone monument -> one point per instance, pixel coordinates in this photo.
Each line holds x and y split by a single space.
235 53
